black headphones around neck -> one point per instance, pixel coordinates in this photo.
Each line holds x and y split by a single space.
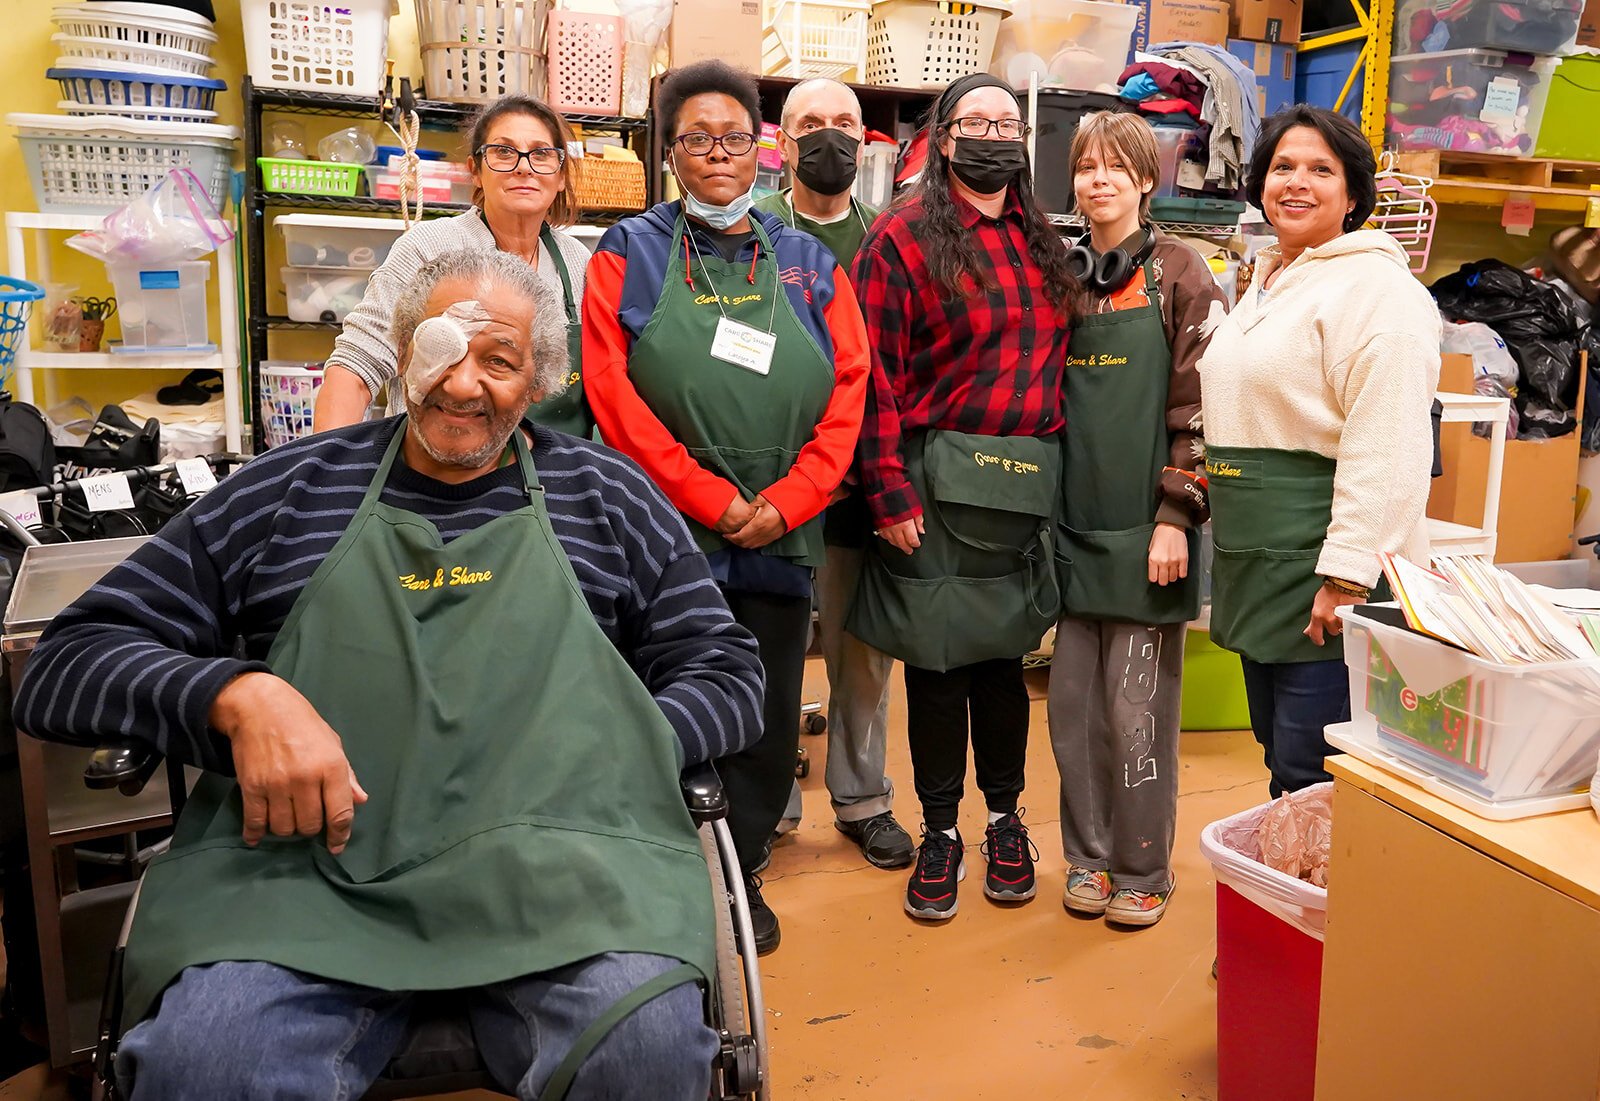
1109 271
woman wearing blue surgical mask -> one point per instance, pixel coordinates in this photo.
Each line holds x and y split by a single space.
725 353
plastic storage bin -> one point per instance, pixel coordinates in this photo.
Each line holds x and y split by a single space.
384 184
475 50
1269 968
1468 101
1320 74
1570 111
585 60
77 51
1172 144
162 307
103 21
337 240
929 43
288 399
103 87
812 38
1213 686
1503 741
875 174
1078 44
92 165
1527 26
296 177
324 294
316 46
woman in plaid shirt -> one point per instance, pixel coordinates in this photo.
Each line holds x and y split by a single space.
967 298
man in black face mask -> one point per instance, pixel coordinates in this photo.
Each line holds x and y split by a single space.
821 140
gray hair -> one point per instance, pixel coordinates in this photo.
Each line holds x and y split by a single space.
487 268
795 93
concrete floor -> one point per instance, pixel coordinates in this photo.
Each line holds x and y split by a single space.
1000 1002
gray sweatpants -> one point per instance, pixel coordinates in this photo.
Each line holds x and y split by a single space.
858 702
1115 690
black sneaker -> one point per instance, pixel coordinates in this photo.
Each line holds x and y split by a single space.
1011 856
883 842
763 922
931 894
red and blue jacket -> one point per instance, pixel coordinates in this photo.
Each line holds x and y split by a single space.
624 283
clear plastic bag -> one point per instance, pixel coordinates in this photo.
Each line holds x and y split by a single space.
1296 834
175 220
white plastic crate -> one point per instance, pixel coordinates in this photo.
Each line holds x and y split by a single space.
91 21
288 399
96 164
476 50
337 240
105 85
1504 741
812 38
929 43
316 46
324 294
89 52
162 306
584 53
875 174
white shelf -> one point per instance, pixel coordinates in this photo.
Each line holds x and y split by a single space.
33 359
1472 408
1448 538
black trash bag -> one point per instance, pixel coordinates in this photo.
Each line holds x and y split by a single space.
1540 327
1589 342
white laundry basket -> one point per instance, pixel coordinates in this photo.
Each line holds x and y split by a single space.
96 164
476 50
104 22
929 43
288 399
315 46
816 38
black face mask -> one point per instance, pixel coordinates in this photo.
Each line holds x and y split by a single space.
988 167
827 161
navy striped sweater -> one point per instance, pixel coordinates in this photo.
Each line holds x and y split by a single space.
144 653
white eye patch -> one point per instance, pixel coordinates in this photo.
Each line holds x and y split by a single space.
439 344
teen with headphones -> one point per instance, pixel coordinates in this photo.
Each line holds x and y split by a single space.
1131 506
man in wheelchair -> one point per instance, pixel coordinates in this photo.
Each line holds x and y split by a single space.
475 655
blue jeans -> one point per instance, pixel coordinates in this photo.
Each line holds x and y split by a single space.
248 1031
1290 706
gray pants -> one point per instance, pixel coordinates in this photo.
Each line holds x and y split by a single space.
1115 690
858 702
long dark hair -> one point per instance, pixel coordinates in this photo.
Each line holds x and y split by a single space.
948 245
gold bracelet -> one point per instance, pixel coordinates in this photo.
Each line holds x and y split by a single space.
1347 588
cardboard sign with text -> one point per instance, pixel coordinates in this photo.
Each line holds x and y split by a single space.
1589 24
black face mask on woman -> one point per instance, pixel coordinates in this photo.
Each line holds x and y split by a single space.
827 161
988 167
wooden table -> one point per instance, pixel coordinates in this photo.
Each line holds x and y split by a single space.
1462 959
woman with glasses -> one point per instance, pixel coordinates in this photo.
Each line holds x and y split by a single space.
517 150
725 353
968 298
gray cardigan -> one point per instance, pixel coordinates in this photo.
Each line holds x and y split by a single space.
364 346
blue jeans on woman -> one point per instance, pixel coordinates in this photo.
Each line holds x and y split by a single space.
247 1031
1290 706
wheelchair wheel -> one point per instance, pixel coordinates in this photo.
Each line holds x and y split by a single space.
802 765
729 994
815 723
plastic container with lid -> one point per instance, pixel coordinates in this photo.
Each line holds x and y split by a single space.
1570 111
324 294
162 307
1527 26
337 240
1172 144
383 184
1077 44
1468 101
1504 741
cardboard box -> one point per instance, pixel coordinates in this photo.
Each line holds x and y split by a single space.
1589 24
1267 20
1273 64
1538 483
725 30
1182 21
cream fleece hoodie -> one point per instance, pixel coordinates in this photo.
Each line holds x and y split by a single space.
1341 357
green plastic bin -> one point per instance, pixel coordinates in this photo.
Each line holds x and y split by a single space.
1568 131
1213 686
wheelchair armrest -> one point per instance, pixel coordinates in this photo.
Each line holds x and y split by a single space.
703 794
126 766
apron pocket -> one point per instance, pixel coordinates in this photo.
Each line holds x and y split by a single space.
943 623
992 494
1107 577
1261 603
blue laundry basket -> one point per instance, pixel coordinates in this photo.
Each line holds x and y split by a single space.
17 297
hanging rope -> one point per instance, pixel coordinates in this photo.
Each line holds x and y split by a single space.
410 183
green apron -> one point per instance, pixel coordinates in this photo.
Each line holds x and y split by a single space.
514 826
1270 512
746 427
566 412
983 583
1114 451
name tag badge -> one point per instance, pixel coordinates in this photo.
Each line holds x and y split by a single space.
743 346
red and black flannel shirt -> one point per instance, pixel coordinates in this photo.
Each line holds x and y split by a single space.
990 364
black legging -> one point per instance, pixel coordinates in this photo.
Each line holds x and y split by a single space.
992 697
757 780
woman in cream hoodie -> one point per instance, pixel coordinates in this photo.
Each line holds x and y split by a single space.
1316 396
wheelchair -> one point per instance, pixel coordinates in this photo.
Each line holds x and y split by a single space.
439 1054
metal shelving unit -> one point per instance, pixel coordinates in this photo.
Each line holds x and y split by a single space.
436 115
1374 29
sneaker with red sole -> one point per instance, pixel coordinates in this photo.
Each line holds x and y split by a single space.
941 864
1009 877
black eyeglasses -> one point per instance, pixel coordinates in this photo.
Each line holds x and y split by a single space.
698 143
973 126
546 160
